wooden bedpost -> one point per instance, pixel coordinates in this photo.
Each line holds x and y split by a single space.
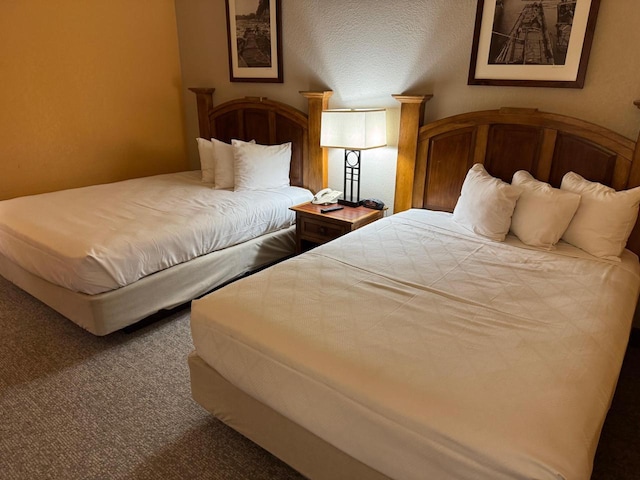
317 169
204 99
411 115
634 180
634 177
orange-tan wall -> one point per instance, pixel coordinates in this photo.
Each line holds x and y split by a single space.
90 93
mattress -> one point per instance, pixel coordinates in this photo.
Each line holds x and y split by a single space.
97 239
427 352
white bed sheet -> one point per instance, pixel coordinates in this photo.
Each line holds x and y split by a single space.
427 352
100 238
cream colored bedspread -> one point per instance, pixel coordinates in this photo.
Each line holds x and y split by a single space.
103 237
427 352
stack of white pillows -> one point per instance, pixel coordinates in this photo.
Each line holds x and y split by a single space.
244 165
588 215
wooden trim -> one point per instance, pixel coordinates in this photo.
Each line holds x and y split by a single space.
634 175
318 167
532 117
481 142
420 173
411 116
314 167
204 102
264 103
634 180
546 154
611 158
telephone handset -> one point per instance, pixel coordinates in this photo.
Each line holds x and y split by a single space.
326 196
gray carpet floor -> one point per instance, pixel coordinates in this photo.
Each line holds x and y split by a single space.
75 406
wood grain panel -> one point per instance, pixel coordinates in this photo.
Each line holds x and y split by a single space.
226 126
546 154
574 154
287 131
506 140
511 148
419 179
316 172
450 157
268 123
412 113
204 99
256 126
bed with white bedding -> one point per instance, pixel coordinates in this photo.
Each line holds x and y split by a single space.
100 238
106 256
439 354
417 347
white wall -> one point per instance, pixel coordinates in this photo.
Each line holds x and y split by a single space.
367 50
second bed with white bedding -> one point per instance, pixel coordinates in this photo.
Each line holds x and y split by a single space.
427 352
100 238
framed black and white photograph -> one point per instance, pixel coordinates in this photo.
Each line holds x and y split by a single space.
254 34
532 43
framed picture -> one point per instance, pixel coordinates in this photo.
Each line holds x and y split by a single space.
254 34
532 43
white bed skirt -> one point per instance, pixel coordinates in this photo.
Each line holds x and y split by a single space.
107 312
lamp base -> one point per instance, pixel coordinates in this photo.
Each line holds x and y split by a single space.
349 203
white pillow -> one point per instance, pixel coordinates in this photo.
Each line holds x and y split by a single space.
485 204
604 219
542 212
207 161
224 163
261 167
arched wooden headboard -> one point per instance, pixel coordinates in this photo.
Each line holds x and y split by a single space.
269 122
548 145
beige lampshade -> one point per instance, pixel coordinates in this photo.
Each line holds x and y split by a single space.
359 129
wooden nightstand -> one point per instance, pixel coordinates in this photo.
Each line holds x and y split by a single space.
314 228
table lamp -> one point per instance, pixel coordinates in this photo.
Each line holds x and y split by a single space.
354 130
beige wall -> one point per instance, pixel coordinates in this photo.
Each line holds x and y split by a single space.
90 93
367 50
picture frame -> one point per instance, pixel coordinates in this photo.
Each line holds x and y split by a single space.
532 43
254 34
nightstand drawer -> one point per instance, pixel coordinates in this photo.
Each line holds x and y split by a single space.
314 228
321 231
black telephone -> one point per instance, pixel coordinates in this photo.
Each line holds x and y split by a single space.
373 203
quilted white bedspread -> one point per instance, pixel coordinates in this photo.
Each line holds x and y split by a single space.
103 237
427 352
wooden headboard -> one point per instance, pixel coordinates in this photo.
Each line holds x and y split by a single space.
548 145
269 122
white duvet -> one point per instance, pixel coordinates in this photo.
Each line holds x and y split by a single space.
428 352
103 237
